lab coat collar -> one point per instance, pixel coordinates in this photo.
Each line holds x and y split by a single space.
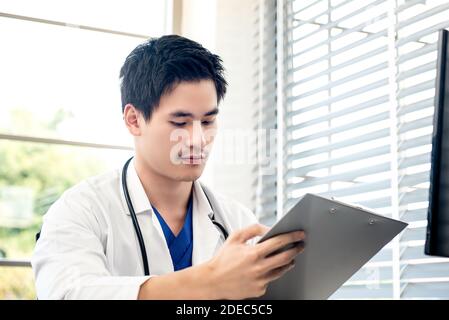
200 200
140 200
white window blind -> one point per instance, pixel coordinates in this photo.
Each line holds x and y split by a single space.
358 99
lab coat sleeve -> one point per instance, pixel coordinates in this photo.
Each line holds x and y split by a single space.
249 218
69 260
240 216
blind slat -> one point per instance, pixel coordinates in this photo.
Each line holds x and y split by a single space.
414 161
416 124
346 176
300 171
297 25
354 76
428 48
413 179
423 15
325 133
336 22
328 71
351 46
359 90
342 144
412 143
416 88
418 35
422 104
347 111
417 70
358 188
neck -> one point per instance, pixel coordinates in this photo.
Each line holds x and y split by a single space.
167 195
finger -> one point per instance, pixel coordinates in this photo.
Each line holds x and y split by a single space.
278 242
283 258
278 272
250 232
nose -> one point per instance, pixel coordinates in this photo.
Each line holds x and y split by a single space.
197 137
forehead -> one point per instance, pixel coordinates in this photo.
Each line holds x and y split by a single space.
196 97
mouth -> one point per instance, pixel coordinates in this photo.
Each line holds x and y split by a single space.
193 159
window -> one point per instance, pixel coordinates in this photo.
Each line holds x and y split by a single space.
357 83
60 114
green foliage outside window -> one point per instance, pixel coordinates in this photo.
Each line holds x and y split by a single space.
42 172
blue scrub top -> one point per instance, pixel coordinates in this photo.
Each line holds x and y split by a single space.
180 246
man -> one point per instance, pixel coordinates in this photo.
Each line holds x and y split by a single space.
89 247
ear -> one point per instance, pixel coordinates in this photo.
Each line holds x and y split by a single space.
133 119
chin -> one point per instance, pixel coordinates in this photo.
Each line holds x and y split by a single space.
189 172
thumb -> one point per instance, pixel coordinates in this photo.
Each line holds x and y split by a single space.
248 233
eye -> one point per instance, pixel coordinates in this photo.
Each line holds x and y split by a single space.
208 122
178 124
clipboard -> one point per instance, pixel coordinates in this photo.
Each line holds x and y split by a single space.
340 239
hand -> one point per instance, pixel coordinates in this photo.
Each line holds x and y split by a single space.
240 270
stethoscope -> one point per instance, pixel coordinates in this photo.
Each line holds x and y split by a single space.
143 251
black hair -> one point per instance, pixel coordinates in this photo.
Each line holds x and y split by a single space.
155 67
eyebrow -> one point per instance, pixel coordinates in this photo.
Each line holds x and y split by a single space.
178 114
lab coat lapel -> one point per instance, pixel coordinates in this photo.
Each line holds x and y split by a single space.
155 244
206 236
157 250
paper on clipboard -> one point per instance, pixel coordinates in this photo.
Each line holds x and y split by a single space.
340 239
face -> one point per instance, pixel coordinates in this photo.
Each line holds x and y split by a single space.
177 139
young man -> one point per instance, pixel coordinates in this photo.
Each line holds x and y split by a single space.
90 248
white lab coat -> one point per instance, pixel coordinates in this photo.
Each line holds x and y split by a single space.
88 248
